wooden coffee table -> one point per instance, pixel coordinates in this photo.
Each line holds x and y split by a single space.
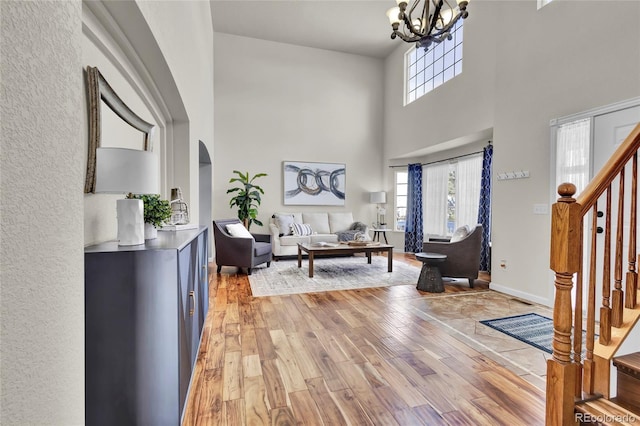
312 250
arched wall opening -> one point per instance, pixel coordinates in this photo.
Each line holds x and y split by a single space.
205 191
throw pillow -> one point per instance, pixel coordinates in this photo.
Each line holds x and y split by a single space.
238 230
459 234
301 229
283 222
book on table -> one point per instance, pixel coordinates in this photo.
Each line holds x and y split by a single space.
324 244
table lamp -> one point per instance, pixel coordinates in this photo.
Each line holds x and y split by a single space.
123 171
379 197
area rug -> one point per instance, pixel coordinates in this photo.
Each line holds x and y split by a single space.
532 329
329 274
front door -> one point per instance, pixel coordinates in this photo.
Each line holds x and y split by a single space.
609 131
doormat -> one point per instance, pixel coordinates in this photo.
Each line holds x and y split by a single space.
532 329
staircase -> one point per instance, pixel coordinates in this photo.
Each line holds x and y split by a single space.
604 412
578 389
625 407
628 388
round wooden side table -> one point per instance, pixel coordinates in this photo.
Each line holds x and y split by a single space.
430 279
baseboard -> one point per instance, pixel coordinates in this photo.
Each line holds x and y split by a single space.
520 294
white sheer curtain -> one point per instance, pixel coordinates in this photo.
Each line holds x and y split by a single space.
573 142
435 182
468 182
572 153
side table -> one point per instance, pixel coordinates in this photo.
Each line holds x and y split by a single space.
380 231
430 278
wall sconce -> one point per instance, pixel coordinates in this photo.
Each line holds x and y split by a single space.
123 171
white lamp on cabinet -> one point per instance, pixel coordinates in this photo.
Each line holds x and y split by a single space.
123 171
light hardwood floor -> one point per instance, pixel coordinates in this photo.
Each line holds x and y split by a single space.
375 356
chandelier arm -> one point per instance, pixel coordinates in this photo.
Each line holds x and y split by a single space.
406 34
447 27
413 6
452 17
410 34
408 39
408 20
436 14
449 6
424 19
437 40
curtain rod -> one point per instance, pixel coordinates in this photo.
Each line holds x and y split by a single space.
441 161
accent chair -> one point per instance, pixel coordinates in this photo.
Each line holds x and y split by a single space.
463 253
238 251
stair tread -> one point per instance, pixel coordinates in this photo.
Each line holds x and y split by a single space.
629 405
629 362
607 412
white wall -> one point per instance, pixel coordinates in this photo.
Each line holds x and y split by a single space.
547 63
98 50
461 106
561 72
277 102
44 140
147 65
184 33
41 261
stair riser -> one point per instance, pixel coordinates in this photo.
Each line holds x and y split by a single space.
628 390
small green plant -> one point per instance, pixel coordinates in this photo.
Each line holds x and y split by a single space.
156 210
247 197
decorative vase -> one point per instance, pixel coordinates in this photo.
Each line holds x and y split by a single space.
150 231
130 222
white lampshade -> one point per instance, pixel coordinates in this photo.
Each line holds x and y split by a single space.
379 197
122 170
392 14
446 15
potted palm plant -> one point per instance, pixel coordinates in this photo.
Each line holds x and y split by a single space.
156 213
246 198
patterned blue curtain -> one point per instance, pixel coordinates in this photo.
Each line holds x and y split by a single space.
484 212
413 228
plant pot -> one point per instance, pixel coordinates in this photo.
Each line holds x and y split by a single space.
150 231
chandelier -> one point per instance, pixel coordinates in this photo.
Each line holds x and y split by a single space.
432 26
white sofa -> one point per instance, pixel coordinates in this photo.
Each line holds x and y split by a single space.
324 225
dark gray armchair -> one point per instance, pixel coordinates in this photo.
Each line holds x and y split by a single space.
240 252
463 256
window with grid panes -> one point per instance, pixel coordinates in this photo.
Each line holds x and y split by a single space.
427 70
401 200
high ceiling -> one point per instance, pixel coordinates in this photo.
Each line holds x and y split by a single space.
352 26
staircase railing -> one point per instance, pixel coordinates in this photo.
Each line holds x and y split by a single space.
570 377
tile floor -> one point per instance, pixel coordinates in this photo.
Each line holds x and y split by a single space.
461 313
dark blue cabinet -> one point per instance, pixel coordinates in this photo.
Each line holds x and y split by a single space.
144 312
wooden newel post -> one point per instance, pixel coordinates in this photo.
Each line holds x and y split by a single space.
566 238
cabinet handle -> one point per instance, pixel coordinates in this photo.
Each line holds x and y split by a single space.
192 302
